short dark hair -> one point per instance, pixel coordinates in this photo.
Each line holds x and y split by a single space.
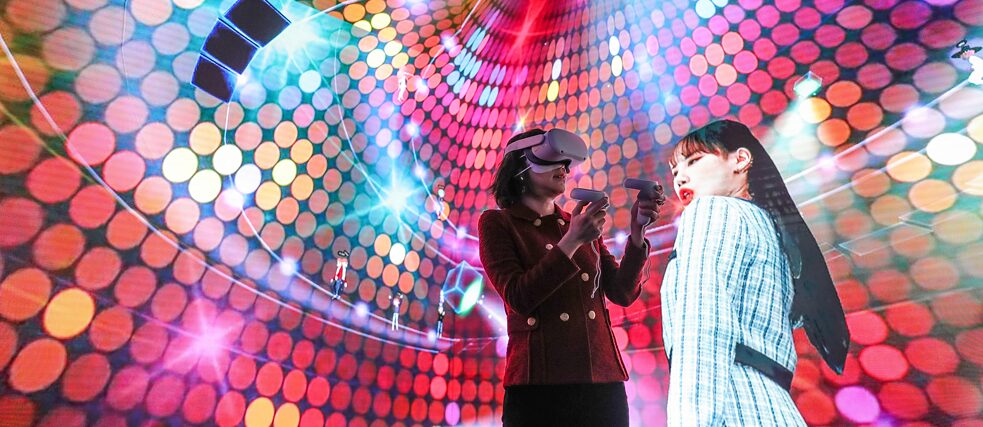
508 185
764 180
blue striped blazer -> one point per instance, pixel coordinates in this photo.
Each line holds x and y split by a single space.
728 283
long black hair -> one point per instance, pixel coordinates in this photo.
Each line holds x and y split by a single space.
509 185
816 304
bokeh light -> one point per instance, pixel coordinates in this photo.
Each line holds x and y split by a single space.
179 165
227 159
951 149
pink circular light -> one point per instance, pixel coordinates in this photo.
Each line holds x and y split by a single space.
857 404
883 362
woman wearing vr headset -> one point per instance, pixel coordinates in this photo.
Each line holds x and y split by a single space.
554 272
744 271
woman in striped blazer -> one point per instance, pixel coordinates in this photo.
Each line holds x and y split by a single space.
745 270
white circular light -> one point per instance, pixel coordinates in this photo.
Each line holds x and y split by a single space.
951 149
180 164
227 159
248 178
397 253
557 67
284 172
310 81
705 9
614 45
375 58
205 186
617 66
188 4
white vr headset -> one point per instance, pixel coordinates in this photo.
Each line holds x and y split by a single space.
551 150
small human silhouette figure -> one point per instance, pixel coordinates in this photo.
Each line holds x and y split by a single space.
397 300
968 53
442 206
440 316
339 274
401 77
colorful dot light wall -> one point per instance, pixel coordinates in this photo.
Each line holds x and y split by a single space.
167 258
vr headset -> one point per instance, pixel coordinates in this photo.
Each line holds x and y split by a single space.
554 149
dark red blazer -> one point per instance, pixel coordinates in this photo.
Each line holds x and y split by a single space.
558 332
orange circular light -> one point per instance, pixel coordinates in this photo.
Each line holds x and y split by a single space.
259 413
69 313
37 365
23 294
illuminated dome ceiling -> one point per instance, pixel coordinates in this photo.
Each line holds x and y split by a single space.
167 255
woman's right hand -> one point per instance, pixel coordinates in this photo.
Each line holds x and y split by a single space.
585 225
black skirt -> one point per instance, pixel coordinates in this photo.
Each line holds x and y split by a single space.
566 405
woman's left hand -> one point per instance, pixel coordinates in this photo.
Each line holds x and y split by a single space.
645 212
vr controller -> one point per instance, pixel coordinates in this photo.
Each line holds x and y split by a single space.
586 195
646 191
646 188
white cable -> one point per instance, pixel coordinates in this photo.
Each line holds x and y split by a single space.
597 268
